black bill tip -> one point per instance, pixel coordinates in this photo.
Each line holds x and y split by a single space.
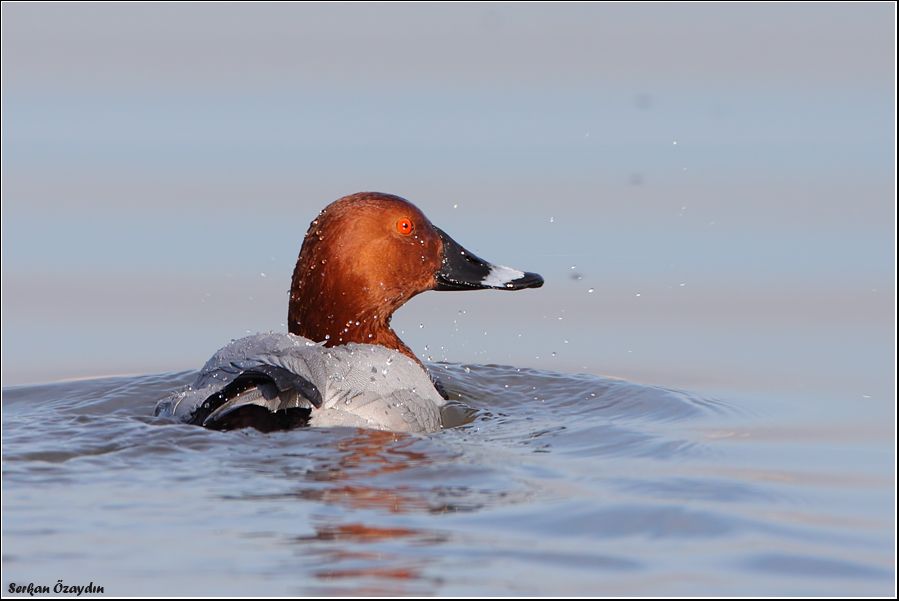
463 270
528 280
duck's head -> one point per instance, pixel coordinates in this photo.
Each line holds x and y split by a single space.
368 253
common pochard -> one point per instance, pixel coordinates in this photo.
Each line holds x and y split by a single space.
341 364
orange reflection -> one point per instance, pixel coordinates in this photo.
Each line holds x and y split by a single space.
350 552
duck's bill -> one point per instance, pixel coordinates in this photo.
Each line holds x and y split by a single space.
463 270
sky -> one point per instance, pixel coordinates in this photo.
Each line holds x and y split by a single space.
708 189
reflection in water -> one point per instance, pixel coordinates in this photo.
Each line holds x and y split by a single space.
358 462
352 557
370 453
340 549
360 482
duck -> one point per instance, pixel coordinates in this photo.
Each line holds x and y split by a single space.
341 363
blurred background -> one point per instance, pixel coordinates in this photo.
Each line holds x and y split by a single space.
708 190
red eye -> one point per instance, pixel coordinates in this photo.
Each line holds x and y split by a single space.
405 226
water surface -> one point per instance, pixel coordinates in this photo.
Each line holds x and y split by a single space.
559 484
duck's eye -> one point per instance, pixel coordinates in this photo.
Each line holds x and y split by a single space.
405 226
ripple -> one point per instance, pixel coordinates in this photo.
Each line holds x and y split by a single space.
543 482
803 567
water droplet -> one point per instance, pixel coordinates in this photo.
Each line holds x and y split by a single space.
262 274
554 353
552 219
421 325
455 205
590 290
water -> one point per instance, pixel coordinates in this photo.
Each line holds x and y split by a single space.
557 484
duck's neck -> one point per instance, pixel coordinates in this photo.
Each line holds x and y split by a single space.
340 322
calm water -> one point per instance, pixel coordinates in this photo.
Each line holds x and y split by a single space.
561 484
